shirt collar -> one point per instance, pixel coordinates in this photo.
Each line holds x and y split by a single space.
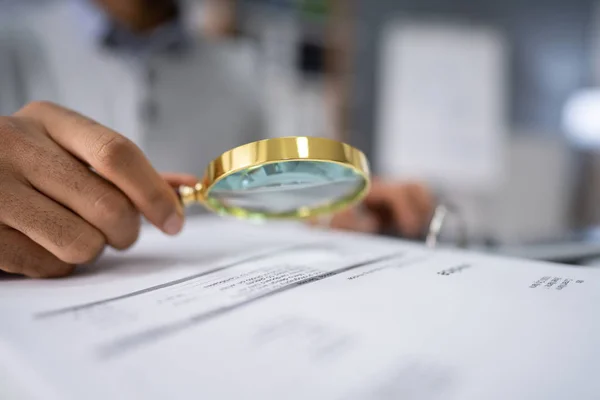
170 38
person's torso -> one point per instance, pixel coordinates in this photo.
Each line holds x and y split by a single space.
182 110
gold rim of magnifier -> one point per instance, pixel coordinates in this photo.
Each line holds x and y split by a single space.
269 151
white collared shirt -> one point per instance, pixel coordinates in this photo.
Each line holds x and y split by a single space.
183 111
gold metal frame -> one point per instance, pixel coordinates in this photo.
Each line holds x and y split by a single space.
275 150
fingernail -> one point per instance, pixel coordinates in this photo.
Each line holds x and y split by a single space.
173 224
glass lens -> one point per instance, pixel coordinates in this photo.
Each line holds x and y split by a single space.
285 187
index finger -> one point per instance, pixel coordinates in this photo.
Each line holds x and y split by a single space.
115 158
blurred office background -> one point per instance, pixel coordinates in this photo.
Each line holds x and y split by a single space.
516 66
493 103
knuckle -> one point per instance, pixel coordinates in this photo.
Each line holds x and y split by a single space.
114 207
9 131
36 106
113 151
119 217
82 247
129 239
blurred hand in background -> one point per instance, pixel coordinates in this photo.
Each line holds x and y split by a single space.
399 208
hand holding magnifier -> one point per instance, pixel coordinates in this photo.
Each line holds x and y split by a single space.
282 178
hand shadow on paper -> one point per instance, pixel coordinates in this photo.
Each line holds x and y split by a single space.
136 264
113 265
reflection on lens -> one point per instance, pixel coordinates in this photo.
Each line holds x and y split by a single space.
287 186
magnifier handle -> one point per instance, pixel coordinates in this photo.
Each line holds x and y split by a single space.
190 194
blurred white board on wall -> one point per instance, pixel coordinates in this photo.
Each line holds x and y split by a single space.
442 112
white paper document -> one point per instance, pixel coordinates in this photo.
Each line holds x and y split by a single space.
442 114
230 310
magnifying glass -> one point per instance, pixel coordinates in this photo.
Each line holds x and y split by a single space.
282 178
